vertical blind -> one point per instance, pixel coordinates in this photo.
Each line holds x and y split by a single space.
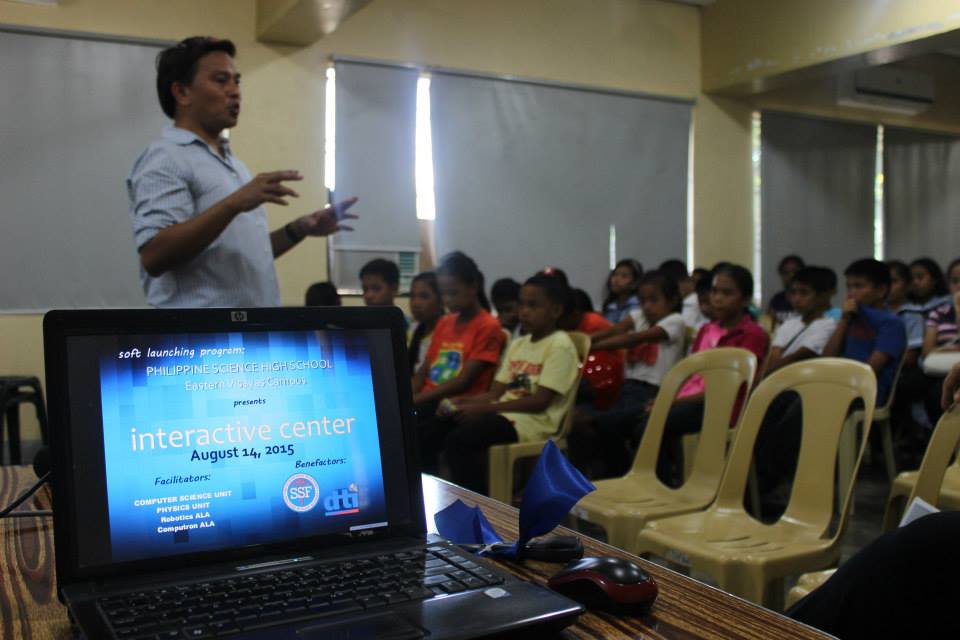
375 136
74 115
817 181
529 175
921 195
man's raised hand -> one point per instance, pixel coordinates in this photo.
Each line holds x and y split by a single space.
265 187
327 220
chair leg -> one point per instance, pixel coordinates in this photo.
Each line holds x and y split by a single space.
753 490
886 441
13 428
847 456
499 475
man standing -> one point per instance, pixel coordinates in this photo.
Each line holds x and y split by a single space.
198 218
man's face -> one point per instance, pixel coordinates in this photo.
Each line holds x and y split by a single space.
212 100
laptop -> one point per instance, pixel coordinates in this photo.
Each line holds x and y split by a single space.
253 473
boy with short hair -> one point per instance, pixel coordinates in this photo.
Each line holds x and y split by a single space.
380 279
505 296
867 331
804 335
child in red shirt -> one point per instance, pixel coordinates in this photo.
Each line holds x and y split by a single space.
463 354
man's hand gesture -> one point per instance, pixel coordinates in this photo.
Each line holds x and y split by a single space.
266 187
327 220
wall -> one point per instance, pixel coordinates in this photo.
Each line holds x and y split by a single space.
747 42
636 45
818 97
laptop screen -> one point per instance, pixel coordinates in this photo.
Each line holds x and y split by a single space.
198 442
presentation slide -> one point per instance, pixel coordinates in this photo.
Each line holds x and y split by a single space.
224 440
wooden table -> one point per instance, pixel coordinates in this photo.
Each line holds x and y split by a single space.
685 609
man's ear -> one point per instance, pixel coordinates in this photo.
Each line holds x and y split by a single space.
181 93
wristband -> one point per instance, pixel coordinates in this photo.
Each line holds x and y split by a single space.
291 234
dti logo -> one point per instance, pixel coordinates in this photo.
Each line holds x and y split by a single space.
342 501
301 492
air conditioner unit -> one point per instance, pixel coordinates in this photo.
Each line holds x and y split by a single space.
345 265
886 89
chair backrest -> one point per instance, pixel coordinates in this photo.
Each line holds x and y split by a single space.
827 388
725 372
582 342
941 448
893 387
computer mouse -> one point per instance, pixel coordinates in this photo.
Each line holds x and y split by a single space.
608 583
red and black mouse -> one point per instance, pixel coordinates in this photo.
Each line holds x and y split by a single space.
607 583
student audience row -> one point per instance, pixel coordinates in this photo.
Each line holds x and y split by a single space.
480 379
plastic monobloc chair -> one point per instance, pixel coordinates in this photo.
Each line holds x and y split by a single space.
750 558
926 483
502 457
624 505
937 481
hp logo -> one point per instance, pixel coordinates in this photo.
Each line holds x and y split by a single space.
238 316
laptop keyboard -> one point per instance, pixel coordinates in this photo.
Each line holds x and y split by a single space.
231 605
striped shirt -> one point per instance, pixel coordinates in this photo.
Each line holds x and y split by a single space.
944 320
176 178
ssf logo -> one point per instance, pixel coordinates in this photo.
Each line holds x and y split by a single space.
301 492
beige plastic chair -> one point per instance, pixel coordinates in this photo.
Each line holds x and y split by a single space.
502 457
937 481
927 483
623 505
750 558
848 440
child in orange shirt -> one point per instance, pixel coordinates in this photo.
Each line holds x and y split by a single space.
463 352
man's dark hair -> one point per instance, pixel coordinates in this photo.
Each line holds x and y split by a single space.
505 290
819 279
676 269
179 64
386 269
869 269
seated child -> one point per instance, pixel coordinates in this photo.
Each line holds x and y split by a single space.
805 334
780 309
530 394
658 332
380 280
322 294
505 294
426 307
463 353
867 330
622 290
732 326
692 316
941 335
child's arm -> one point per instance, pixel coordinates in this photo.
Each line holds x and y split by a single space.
929 341
621 327
834 346
777 361
633 338
535 403
420 377
472 370
497 389
878 360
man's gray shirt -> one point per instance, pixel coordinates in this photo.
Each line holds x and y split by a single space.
175 179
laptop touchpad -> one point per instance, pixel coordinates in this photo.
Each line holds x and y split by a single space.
388 627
